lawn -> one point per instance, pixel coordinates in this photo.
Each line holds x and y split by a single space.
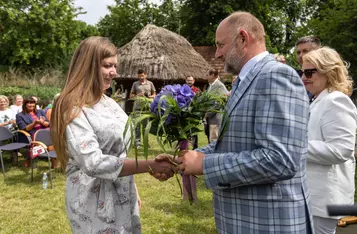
26 208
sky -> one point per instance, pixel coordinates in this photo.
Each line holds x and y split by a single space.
96 9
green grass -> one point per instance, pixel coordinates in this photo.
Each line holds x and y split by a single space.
26 208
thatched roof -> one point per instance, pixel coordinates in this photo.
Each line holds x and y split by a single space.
162 54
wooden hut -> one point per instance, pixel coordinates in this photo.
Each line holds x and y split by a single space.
166 57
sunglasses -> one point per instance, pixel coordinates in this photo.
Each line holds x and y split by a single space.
308 72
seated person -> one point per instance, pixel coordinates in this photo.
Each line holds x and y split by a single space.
37 101
31 119
7 117
17 106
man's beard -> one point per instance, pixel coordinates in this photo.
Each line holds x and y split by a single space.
233 62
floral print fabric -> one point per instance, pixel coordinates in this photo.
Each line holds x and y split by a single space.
97 199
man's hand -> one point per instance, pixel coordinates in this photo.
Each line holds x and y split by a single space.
163 167
163 158
191 162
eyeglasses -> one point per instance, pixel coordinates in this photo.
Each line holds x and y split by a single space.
308 72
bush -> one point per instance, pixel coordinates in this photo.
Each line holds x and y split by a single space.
42 82
45 93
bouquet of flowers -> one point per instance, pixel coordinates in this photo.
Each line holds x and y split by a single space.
174 116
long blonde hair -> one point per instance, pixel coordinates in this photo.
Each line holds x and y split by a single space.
328 62
84 86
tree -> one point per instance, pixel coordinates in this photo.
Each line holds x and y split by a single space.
336 25
168 16
38 32
279 17
128 17
125 19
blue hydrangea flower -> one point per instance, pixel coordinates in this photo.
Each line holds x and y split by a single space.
183 95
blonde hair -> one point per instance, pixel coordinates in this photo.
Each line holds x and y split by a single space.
84 86
5 98
280 58
247 21
328 62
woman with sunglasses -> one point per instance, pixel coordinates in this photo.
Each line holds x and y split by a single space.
332 130
30 119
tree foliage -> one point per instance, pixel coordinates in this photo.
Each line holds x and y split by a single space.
45 32
128 17
280 17
336 25
39 32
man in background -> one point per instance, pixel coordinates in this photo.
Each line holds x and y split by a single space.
190 81
213 120
302 47
141 88
305 45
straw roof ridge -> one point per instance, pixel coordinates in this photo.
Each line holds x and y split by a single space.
162 54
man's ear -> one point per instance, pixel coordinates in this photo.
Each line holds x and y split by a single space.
244 36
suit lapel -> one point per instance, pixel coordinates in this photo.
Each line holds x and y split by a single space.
240 90
28 118
321 96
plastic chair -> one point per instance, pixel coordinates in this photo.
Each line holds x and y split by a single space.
6 134
42 138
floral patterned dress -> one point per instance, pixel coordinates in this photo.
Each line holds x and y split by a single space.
97 199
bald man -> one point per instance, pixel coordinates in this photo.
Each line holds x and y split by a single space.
257 167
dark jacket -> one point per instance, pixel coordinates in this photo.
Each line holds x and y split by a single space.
22 120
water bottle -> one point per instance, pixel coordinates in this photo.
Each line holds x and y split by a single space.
44 181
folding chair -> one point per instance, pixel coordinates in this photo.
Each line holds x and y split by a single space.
6 134
42 138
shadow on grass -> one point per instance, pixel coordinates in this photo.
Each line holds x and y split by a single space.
199 229
192 213
19 174
184 208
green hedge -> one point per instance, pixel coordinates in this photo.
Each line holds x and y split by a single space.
45 93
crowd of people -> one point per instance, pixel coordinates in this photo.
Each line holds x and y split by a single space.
286 153
24 114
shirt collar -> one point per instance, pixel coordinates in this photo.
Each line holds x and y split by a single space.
214 81
250 64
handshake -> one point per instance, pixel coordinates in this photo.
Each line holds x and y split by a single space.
189 162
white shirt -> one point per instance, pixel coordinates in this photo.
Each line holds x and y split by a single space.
5 116
210 84
250 64
16 109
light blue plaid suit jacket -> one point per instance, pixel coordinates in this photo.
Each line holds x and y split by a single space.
257 168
